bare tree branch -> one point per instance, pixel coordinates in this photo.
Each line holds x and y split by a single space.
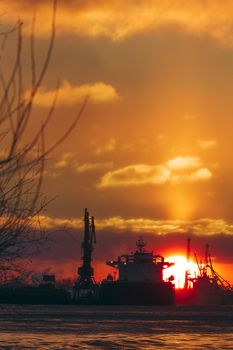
22 164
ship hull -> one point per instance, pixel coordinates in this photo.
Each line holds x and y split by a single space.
207 296
136 293
34 296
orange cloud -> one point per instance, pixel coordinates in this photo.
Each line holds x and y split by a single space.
118 19
177 170
182 163
161 227
69 94
135 175
201 174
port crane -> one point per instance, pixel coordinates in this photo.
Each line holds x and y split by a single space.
86 285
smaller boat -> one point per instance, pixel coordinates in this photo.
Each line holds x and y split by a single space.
208 287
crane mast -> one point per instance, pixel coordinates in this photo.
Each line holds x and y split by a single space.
86 271
86 284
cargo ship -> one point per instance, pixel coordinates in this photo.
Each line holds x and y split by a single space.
140 276
140 280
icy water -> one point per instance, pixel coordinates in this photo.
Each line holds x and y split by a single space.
110 328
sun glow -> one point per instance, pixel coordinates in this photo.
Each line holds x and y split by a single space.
178 270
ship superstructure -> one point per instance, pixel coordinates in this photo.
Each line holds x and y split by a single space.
140 279
140 266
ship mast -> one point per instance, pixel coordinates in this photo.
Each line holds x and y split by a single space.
188 261
140 244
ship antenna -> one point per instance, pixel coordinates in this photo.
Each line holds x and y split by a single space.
206 254
140 244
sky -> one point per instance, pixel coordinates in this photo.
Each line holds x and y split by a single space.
151 154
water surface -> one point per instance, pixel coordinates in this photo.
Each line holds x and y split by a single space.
118 327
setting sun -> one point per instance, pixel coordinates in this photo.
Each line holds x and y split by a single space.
178 270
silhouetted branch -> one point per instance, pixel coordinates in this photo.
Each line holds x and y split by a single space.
22 164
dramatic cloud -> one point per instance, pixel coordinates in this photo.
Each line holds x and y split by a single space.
70 95
177 170
135 175
160 227
118 19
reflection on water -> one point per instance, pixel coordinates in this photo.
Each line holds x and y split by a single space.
94 327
